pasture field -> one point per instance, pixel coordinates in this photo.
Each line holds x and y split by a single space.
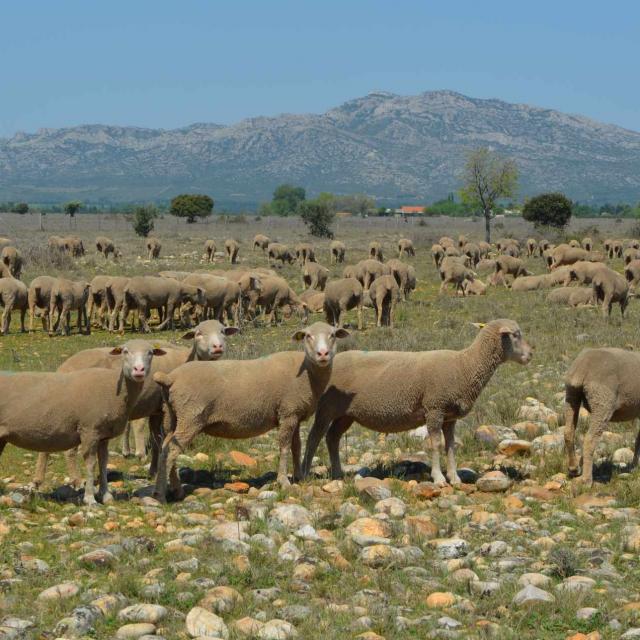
321 582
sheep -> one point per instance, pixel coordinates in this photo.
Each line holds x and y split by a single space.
105 246
150 292
56 243
452 252
314 276
221 296
510 265
14 295
385 294
462 240
314 300
615 249
350 271
499 278
472 251
98 298
543 245
474 287
338 251
632 243
208 345
485 249
587 243
446 241
575 244
86 408
366 271
274 294
68 296
405 246
261 241
219 400
177 275
11 258
153 247
607 246
115 294
582 272
512 250
305 253
559 276
530 283
232 248
39 296
455 273
278 251
209 250
437 253
605 382
248 281
632 274
571 296
486 265
375 251
74 246
610 287
404 274
393 391
532 246
630 254
340 296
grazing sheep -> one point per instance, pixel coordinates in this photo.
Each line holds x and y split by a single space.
74 246
385 294
472 251
153 247
105 246
405 246
499 279
605 382
340 296
404 274
486 265
452 252
221 296
261 241
632 274
39 296
437 253
375 251
14 295
314 276
366 271
305 253
610 287
455 273
630 254
530 283
210 250
314 300
532 246
607 245
114 291
98 300
615 249
68 296
462 240
446 241
86 408
274 293
543 245
547 256
582 272
338 251
56 243
512 266
278 251
12 259
565 254
575 244
474 287
248 281
485 249
394 391
512 250
232 248
587 244
571 296
220 400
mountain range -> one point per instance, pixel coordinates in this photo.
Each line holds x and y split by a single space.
407 149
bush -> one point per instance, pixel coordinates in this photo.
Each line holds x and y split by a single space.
20 207
317 216
191 206
71 208
565 561
548 209
143 218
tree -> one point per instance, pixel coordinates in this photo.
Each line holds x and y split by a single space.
356 203
191 206
286 199
72 207
487 178
143 218
317 216
552 209
20 207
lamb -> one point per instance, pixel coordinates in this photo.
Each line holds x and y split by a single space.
39 295
314 276
305 253
394 391
510 265
571 296
375 251
340 296
632 274
405 246
455 273
530 283
220 400
437 253
14 295
474 288
153 247
274 294
74 246
587 243
209 250
630 254
221 296
232 248
532 246
11 258
208 345
261 241
610 287
115 293
605 382
68 296
105 246
404 274
385 294
338 251
278 251
86 408
314 300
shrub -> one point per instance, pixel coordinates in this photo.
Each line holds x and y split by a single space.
72 207
565 561
191 206
317 216
143 218
550 209
20 207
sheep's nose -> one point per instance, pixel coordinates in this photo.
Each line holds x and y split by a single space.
217 348
323 353
138 369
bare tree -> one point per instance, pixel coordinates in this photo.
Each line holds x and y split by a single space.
487 178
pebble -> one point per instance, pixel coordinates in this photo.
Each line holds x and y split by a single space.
60 591
150 613
493 481
532 596
369 531
448 548
201 622
290 517
136 630
277 630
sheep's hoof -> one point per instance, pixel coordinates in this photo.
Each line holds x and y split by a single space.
160 497
90 502
455 481
440 481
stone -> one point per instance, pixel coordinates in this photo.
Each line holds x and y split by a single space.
220 599
586 613
290 516
380 555
440 600
623 455
333 487
493 481
151 613
449 548
201 622
236 531
60 591
514 447
277 630
288 552
393 507
237 487
631 538
574 584
372 487
421 526
535 579
531 596
242 459
135 630
247 626
98 558
634 632
448 623
369 531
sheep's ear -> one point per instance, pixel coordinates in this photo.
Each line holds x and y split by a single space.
342 333
157 351
479 325
229 331
299 335
190 335
116 351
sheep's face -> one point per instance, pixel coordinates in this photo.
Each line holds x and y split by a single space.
515 347
320 342
209 339
136 358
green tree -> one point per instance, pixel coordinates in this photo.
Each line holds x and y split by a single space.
286 199
72 207
550 209
20 207
357 203
318 217
143 220
191 206
486 179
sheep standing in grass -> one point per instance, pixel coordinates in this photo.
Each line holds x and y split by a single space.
210 250
232 249
587 244
305 253
632 274
512 266
14 295
437 253
260 241
274 293
385 295
278 251
404 274
455 273
582 272
98 300
221 400
314 276
375 251
68 296
105 246
435 388
630 254
532 246
338 251
153 248
39 296
12 259
85 408
610 287
405 246
340 296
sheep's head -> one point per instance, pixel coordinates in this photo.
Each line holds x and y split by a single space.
136 358
209 339
514 347
320 342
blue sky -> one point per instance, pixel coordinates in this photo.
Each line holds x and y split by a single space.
167 64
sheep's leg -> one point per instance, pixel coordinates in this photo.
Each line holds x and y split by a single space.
296 450
32 315
448 429
139 428
143 319
434 426
103 459
155 441
598 421
288 427
126 440
6 315
89 454
23 313
174 444
41 469
333 437
636 449
360 320
571 416
379 311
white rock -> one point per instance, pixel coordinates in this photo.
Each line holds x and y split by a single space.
531 596
290 516
277 630
143 613
60 591
201 622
